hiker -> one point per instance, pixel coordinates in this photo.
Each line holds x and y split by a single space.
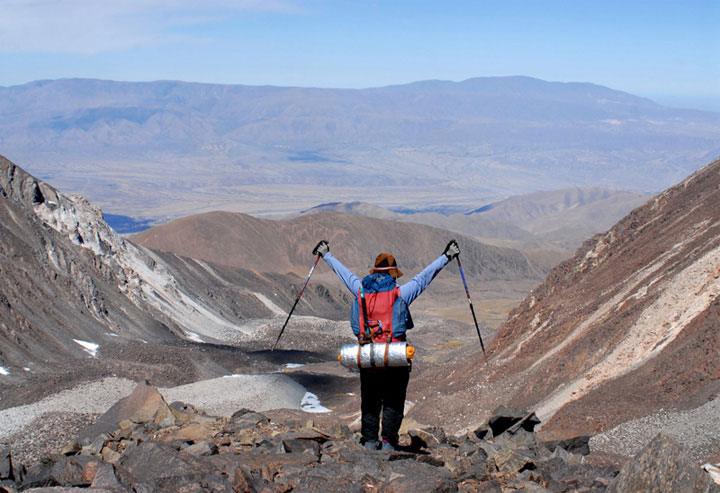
384 389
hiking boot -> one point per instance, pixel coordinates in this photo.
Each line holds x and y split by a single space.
388 446
372 445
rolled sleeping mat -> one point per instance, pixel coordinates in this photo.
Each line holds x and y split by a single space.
381 355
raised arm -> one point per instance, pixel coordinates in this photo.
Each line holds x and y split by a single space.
415 286
351 281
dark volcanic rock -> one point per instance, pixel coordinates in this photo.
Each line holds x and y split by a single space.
6 471
577 445
662 466
162 467
250 453
409 476
144 405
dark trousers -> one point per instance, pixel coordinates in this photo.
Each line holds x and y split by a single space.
383 390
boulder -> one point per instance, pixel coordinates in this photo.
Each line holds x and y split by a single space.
192 432
521 438
662 466
316 482
489 486
105 477
144 405
71 448
474 466
509 461
6 469
58 470
160 466
576 445
244 419
202 449
40 474
75 471
507 419
409 476
713 471
511 419
427 437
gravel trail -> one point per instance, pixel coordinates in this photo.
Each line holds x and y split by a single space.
698 430
91 398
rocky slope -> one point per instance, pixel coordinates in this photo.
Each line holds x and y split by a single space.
143 444
70 286
625 328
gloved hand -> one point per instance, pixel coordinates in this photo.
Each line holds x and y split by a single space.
452 250
321 248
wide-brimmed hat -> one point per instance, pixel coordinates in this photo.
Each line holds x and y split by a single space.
385 262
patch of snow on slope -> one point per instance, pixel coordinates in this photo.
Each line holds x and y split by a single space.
194 337
4 371
311 404
684 297
89 347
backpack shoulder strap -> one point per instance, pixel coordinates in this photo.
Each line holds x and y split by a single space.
366 326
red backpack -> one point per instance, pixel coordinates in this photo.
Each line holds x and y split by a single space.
386 312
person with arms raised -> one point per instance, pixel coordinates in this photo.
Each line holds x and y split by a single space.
380 314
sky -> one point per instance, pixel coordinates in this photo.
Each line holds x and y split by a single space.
666 50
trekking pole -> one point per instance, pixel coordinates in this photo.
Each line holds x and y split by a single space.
296 302
462 274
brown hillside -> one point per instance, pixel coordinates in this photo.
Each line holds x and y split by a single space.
284 246
625 327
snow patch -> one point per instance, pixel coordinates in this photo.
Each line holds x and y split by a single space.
4 371
294 365
194 337
89 347
310 403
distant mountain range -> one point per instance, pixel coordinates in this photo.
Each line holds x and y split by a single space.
559 220
166 149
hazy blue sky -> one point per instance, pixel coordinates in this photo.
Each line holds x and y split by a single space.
668 50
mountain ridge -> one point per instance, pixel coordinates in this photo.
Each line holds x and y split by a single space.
264 149
281 245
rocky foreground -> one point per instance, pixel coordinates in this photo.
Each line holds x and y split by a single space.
142 444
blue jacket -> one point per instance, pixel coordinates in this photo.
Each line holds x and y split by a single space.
408 291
